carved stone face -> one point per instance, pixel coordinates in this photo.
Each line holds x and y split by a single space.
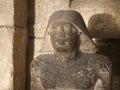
64 36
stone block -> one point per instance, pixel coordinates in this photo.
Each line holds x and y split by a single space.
88 8
104 26
6 58
110 26
6 12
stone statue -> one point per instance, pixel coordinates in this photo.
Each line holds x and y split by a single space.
69 68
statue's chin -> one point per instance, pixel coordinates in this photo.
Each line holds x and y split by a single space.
62 49
64 89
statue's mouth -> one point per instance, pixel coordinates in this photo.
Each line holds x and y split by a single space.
61 43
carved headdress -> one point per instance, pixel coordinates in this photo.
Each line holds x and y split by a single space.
72 17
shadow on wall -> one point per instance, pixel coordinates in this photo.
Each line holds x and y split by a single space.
30 46
106 31
111 49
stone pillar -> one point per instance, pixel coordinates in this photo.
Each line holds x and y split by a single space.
12 44
20 43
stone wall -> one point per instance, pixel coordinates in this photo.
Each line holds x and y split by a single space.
6 44
13 35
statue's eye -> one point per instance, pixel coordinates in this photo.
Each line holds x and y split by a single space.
54 27
67 28
80 33
74 30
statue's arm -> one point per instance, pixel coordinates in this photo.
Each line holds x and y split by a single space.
104 74
35 78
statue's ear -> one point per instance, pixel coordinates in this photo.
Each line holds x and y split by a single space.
79 32
49 32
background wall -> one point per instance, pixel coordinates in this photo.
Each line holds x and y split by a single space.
6 44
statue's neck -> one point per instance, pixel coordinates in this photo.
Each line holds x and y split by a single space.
65 56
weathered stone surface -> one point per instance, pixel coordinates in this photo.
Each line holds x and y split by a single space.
90 7
68 68
106 23
19 55
66 75
104 26
6 58
43 10
87 8
6 12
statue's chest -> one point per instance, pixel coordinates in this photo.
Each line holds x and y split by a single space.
76 76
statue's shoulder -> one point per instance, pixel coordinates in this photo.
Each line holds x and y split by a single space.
40 60
93 57
98 61
98 58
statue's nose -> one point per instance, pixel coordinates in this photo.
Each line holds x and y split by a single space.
61 32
